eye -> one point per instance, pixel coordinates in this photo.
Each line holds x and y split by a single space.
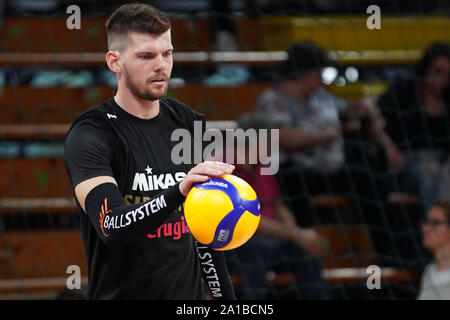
167 54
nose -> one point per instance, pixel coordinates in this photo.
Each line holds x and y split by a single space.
160 64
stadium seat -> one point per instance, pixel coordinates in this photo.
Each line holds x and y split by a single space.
34 178
402 40
34 34
350 253
55 105
349 247
37 261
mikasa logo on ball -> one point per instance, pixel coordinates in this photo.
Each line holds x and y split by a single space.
215 183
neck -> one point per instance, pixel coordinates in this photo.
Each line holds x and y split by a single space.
143 109
442 257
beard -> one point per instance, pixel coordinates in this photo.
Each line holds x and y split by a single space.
146 93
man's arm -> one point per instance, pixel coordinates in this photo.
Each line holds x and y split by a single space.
117 223
87 154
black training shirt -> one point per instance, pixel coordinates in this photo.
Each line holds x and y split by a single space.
106 140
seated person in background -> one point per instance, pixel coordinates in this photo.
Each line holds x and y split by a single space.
435 284
416 111
279 243
312 158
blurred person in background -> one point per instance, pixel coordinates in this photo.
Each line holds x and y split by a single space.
435 284
279 243
309 118
417 132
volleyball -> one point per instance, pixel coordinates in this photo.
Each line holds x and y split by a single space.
222 214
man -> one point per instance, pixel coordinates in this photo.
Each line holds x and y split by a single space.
128 191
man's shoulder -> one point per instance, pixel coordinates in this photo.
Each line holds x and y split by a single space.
178 108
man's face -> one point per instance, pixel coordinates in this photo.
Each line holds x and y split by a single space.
147 64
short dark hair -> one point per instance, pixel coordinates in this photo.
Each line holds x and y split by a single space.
304 57
135 17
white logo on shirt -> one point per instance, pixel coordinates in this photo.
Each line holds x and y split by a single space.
111 116
149 182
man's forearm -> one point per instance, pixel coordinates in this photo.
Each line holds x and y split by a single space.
117 223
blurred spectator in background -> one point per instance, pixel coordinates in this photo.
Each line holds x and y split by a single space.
313 157
435 284
416 111
279 244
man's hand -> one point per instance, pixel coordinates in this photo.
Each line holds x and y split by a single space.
202 172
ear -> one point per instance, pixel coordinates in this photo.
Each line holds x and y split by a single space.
112 60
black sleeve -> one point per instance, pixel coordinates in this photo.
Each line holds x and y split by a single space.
87 153
215 273
117 223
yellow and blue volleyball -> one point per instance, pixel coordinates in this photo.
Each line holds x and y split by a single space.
222 214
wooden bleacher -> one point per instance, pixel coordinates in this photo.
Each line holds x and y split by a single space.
33 261
42 35
401 39
33 264
350 253
33 113
34 178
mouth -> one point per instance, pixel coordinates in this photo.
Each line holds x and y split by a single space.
159 80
